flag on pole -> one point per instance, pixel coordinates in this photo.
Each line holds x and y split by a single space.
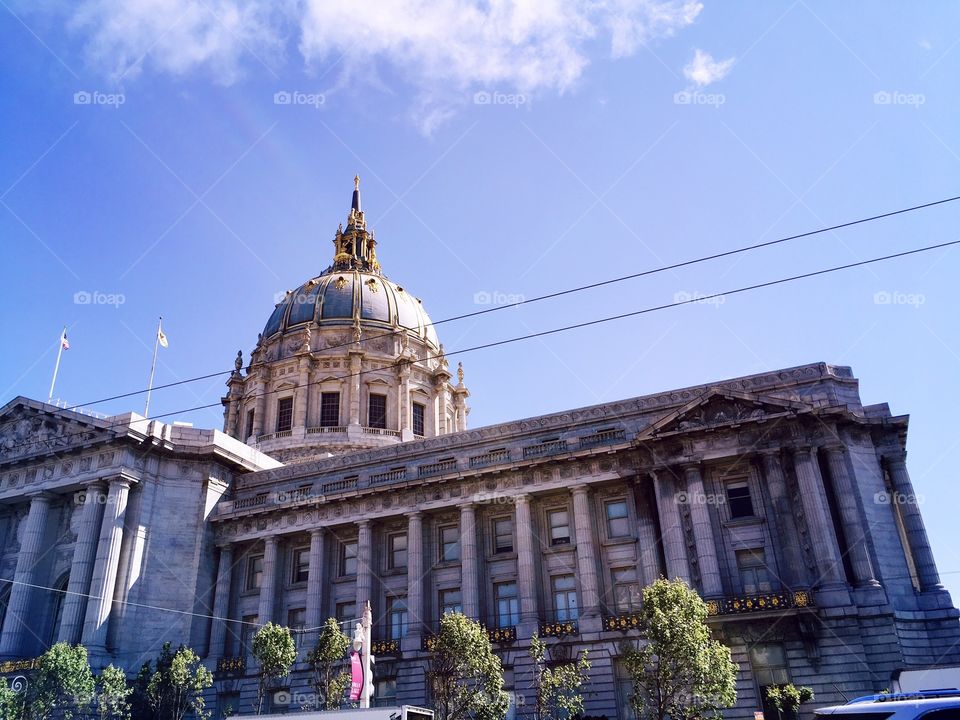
162 337
64 343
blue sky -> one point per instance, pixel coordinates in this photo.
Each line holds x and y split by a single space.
148 156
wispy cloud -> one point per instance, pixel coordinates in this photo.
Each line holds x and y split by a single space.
703 70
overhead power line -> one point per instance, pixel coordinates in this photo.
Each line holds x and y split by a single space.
575 326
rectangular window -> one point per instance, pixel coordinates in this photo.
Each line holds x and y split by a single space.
618 522
284 414
449 543
301 565
451 601
385 693
508 608
377 411
418 415
738 497
754 573
769 663
250 416
626 589
397 617
346 615
329 409
348 558
246 634
625 692
297 621
564 590
559 523
503 535
397 551
254 572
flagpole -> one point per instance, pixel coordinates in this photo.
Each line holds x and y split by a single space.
56 368
153 367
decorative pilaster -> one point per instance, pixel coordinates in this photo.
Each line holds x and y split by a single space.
268 583
916 532
104 579
586 551
221 604
81 569
260 411
415 604
854 531
302 392
826 550
469 567
353 385
16 621
671 530
316 581
648 548
776 484
364 563
526 560
403 377
703 533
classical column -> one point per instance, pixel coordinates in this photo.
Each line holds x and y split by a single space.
221 604
814 498
260 411
268 582
19 609
353 385
81 568
854 531
415 605
586 551
469 568
316 581
526 561
671 530
364 564
703 532
906 500
403 406
302 393
648 548
776 484
104 579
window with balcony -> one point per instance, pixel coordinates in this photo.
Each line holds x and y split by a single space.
301 565
254 572
451 601
329 409
348 558
559 523
563 588
449 543
502 535
419 413
297 622
396 617
247 631
397 551
618 521
754 573
739 500
626 590
377 411
284 414
507 604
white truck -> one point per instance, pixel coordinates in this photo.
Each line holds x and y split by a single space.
929 678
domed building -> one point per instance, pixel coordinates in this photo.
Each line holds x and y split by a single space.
348 360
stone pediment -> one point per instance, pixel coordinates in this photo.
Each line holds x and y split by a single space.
718 408
29 428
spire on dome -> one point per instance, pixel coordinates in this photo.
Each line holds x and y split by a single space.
354 247
355 205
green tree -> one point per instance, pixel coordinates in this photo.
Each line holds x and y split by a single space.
786 699
466 679
557 687
61 685
274 651
327 661
113 702
679 672
11 703
176 685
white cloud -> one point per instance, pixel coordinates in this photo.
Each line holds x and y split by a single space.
703 70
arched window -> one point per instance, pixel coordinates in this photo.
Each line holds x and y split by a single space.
56 607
